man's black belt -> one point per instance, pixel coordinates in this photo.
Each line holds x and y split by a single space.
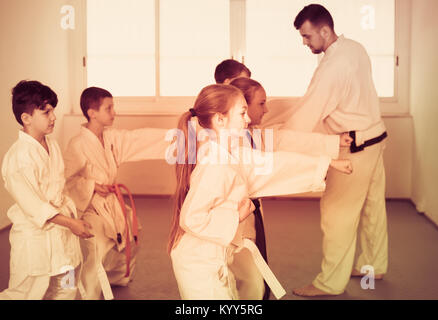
354 148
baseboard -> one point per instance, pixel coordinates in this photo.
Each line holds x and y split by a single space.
424 214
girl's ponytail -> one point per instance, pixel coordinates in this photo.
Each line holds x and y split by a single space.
211 100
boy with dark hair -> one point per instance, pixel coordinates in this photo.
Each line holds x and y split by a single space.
230 69
91 160
45 229
91 99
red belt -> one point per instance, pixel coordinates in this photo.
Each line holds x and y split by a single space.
116 188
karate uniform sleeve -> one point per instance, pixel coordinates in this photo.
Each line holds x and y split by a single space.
279 111
78 186
327 88
23 186
314 144
285 173
139 144
205 213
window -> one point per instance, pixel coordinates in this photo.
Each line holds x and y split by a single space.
194 38
121 46
158 54
122 54
286 66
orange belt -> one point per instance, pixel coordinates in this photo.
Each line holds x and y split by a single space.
117 190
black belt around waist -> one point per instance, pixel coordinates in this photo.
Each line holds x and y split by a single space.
260 239
256 203
354 148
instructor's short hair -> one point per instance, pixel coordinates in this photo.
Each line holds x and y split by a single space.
30 95
316 14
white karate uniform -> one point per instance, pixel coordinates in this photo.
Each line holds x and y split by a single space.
341 98
41 251
310 143
210 219
249 281
88 162
287 138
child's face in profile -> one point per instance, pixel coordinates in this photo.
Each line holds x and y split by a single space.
106 114
257 108
41 122
238 115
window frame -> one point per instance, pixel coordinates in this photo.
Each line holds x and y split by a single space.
398 105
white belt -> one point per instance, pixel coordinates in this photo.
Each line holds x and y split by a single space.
101 273
276 288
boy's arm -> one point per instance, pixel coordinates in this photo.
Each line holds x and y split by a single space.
314 144
78 227
284 173
138 144
78 186
280 110
24 188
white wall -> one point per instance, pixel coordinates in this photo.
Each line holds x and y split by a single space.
424 106
33 47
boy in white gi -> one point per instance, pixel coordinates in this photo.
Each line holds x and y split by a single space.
212 198
91 162
45 229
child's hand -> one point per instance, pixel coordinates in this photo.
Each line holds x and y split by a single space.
342 165
80 228
102 189
345 140
245 207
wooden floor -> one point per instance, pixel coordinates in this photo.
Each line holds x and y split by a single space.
294 251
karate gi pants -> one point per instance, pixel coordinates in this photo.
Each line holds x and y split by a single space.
353 205
102 261
249 281
43 288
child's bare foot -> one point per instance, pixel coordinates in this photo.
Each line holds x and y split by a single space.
356 273
310 291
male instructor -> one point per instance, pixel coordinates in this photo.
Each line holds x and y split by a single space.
342 98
